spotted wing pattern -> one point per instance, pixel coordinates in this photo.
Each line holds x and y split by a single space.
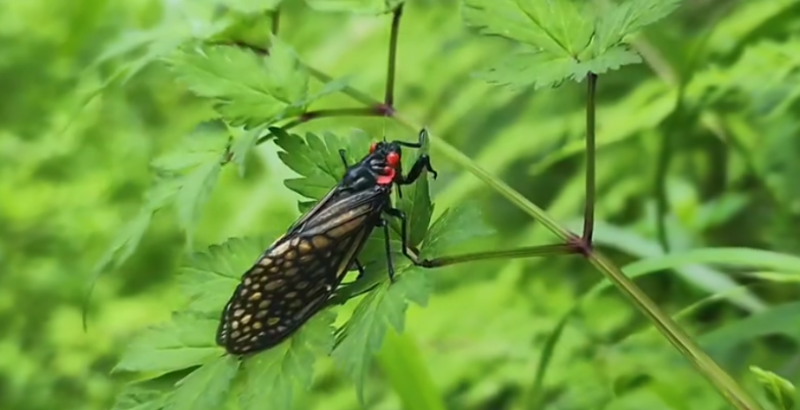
297 275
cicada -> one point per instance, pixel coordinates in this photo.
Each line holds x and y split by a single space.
297 275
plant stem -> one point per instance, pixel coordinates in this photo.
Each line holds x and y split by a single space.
334 112
523 252
588 210
388 98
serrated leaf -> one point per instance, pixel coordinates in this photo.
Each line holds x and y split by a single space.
243 142
194 193
453 227
205 388
249 89
628 17
558 27
315 166
209 277
193 167
273 377
125 243
779 391
185 341
561 39
195 149
543 69
333 86
355 6
138 398
385 306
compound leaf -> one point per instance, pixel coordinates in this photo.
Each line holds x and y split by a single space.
138 398
205 388
628 17
248 89
316 166
243 142
185 341
385 306
561 39
209 277
274 376
194 166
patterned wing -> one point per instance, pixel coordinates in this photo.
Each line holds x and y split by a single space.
297 275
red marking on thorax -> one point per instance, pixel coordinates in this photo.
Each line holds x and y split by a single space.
388 178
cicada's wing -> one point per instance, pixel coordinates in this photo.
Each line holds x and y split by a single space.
297 275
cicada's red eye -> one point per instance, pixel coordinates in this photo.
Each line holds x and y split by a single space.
393 159
373 147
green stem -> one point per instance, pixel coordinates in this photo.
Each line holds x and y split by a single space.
523 252
391 65
588 210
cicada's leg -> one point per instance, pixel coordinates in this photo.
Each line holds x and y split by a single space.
423 162
403 231
360 268
382 222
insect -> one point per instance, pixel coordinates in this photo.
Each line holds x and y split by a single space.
297 275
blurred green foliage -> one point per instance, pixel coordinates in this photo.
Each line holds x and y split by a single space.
711 116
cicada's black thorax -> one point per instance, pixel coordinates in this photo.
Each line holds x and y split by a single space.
294 279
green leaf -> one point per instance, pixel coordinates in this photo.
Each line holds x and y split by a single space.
780 392
209 278
127 240
135 397
355 6
317 161
561 40
243 142
274 376
205 388
150 394
194 193
454 227
186 341
628 17
558 27
249 89
194 166
543 69
385 306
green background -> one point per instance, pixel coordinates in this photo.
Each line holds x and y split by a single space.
71 176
